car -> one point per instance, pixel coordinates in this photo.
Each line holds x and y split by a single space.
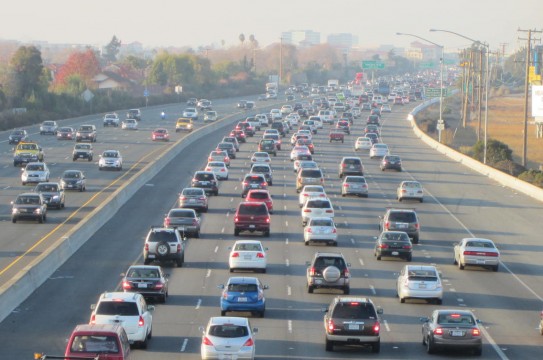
259 195
373 120
111 159
276 139
476 252
541 323
260 157
311 191
230 149
312 125
265 169
304 164
316 207
262 97
250 105
452 328
26 152
239 135
280 127
219 168
393 162
305 132
160 134
245 294
211 116
184 124
129 124
192 102
328 270
147 280
362 143
386 108
29 206
184 220
252 216
410 189
247 255
267 145
401 220
352 320
247 128
130 310
86 133
228 338
48 127
206 180
298 150
193 198
398 100
393 244
354 185
17 136
53 194
366 106
293 119
82 151
35 172
233 140
241 104
306 142
378 150
91 341
164 244
320 229
343 125
262 118
276 114
374 138
111 119
65 133
419 282
253 181
73 180
204 104
372 128
190 112
336 135
309 177
350 165
134 114
219 155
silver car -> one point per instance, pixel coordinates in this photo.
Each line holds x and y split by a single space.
354 185
35 172
185 221
410 190
476 252
193 198
228 337
419 282
328 270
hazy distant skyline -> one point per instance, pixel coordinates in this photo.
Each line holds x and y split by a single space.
208 22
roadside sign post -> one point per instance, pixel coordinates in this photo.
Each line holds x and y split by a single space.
440 127
146 95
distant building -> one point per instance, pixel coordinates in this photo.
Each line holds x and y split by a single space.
301 38
343 40
424 52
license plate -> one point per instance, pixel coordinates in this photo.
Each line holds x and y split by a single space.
242 299
247 257
402 226
457 333
151 256
254 185
480 261
395 253
252 226
422 286
142 286
205 182
81 156
353 327
351 167
192 200
318 281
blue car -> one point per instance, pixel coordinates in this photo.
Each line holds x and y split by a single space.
243 294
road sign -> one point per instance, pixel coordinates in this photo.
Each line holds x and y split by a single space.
372 64
440 127
178 89
450 62
434 92
146 93
427 65
440 121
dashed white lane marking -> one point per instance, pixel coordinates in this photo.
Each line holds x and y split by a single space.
352 241
452 289
285 207
286 241
184 345
289 291
286 223
372 288
208 273
217 247
361 262
227 213
198 304
386 325
460 300
222 230
287 262
289 326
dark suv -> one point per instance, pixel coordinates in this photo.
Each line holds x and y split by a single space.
252 216
279 126
229 148
401 220
86 133
206 180
267 145
352 320
265 170
328 270
351 165
246 127
253 181
164 244
29 206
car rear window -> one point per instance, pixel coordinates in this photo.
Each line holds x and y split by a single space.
395 236
250 209
355 179
311 173
121 308
354 310
259 195
192 192
261 169
159 236
406 217
319 204
352 161
204 176
228 331
321 222
94 344
242 287
254 179
455 319
323 262
181 213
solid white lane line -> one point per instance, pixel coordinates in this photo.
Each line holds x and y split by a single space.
184 345
287 262
361 262
286 241
386 325
352 241
198 304
286 223
208 273
222 230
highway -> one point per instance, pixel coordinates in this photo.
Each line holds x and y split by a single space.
458 203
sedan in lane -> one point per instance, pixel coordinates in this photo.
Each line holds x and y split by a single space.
378 150
219 168
393 244
311 191
476 252
244 294
419 282
148 280
228 338
35 172
160 134
260 195
247 255
320 229
409 190
260 157
193 198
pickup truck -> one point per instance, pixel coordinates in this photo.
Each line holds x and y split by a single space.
336 135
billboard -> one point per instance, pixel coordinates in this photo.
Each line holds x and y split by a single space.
537 101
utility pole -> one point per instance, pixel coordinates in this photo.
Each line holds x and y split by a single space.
280 62
526 90
480 94
465 106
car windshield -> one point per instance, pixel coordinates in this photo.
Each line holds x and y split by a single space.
28 200
121 308
47 188
455 319
95 344
82 147
71 175
34 168
181 214
354 310
242 287
110 154
253 209
228 331
321 222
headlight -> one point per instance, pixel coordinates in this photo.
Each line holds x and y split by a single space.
56 197
37 211
14 211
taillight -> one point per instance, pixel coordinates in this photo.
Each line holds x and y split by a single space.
194 222
309 230
334 231
178 248
406 247
330 325
182 197
383 246
235 255
307 210
249 342
268 219
93 319
206 341
417 226
260 255
346 273
167 221
475 332
146 247
346 185
236 219
387 225
376 328
245 183
126 285
329 211
312 271
438 331
159 285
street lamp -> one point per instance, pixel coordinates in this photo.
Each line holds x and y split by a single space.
440 121
487 79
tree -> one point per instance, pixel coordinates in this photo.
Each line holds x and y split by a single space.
496 151
242 39
26 68
112 49
83 64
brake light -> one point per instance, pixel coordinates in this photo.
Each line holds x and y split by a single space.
167 221
330 325
208 168
309 230
226 158
249 342
210 159
334 231
481 253
346 185
260 255
312 271
146 247
206 341
307 210
126 285
93 319
383 246
178 248
406 247
245 183
235 255
346 273
264 184
236 219
376 328
194 222
222 170
438 331
329 211
417 225
387 225
268 219
182 197
159 285
475 332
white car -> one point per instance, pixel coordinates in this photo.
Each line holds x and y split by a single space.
385 108
228 337
247 255
320 230
191 113
419 282
129 124
317 121
311 124
356 112
297 150
276 114
262 118
409 189
128 309
286 109
219 168
378 150
316 207
306 132
362 143
476 252
219 155
271 131
293 119
261 157
110 159
35 172
327 116
210 116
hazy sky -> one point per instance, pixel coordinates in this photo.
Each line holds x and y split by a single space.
206 22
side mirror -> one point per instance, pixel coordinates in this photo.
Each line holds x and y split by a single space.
478 321
123 275
202 329
221 286
93 306
229 248
324 310
255 330
265 287
379 310
150 308
424 319
266 249
308 263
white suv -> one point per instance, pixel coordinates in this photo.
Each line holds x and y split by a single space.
127 309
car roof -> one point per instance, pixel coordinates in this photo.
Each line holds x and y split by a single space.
221 320
420 267
118 295
242 280
248 242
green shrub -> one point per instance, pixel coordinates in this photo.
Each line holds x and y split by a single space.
496 151
532 176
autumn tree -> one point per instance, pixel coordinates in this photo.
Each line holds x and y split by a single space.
83 64
112 50
26 68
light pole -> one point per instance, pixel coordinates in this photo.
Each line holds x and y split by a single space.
440 121
487 81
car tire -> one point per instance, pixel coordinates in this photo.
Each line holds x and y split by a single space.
223 312
143 344
179 262
236 232
420 200
89 159
146 261
378 257
439 301
197 235
73 159
310 289
41 219
14 220
346 290
495 268
415 239
329 345
267 233
205 209
460 265
430 347
231 270
478 351
409 258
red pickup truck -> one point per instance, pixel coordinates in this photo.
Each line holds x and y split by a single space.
337 135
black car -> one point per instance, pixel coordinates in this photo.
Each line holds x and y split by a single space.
53 194
350 165
148 280
253 181
393 244
229 148
391 162
279 126
73 180
82 151
267 145
206 180
373 119
134 114
17 136
29 206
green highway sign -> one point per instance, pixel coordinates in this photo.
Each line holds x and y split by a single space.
372 64
434 92
427 65
450 62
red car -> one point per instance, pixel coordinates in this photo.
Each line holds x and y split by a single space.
306 142
260 196
160 134
239 134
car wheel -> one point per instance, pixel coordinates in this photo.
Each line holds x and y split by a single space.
146 261
346 290
375 348
205 209
41 219
420 200
400 199
378 257
306 243
236 232
329 345
261 313
409 258
197 234
454 261
495 268
13 220
310 289
143 344
460 265
231 270
179 262
439 301
89 159
430 347
223 312
415 239
163 298
73 159
478 351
